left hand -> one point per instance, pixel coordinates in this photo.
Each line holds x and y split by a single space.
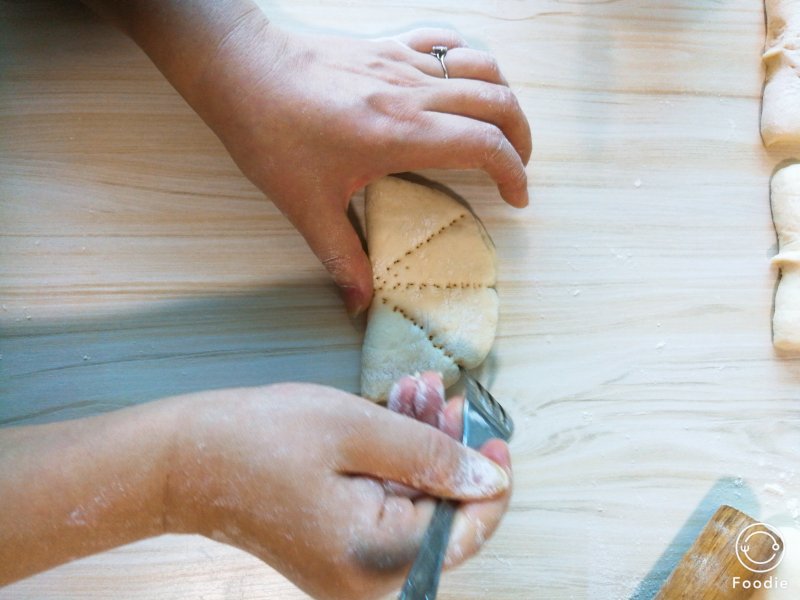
312 119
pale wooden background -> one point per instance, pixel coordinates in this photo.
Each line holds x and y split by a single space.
634 343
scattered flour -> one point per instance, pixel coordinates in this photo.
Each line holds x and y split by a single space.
774 488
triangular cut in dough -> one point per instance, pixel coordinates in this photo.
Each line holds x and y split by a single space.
435 306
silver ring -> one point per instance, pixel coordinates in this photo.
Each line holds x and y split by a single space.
439 52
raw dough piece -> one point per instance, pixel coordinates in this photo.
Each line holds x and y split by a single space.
786 214
780 112
435 306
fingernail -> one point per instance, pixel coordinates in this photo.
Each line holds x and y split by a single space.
420 388
425 384
353 301
480 477
503 454
394 404
440 389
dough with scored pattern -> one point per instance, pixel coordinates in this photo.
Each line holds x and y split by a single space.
435 306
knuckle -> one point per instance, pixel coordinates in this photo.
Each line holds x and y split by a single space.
394 114
501 100
491 142
391 49
443 456
446 36
506 100
454 37
338 265
490 63
379 100
386 103
497 156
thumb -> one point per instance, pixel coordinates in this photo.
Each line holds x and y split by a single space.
331 236
399 449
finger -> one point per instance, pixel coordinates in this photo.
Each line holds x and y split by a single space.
398 489
475 522
462 63
392 541
452 422
429 398
393 447
467 63
425 38
401 396
331 236
490 103
420 397
455 142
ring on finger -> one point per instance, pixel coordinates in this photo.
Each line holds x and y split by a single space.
439 52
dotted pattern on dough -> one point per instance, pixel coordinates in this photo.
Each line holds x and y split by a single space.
421 286
429 335
438 232
383 281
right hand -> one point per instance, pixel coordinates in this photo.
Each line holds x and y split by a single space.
295 474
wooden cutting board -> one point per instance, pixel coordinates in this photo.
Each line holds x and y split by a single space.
634 344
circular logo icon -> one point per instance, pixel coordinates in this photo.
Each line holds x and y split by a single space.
759 548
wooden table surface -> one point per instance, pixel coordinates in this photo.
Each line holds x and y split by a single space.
636 292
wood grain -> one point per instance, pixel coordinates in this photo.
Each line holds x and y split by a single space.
636 293
711 569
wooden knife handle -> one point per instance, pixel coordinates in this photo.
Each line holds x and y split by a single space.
708 569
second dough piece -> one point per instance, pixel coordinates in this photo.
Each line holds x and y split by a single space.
780 111
786 214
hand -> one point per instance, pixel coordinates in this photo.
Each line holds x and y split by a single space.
295 475
312 119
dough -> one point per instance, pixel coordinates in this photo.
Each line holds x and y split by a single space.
786 214
780 112
435 306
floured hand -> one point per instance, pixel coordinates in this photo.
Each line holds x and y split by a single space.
295 474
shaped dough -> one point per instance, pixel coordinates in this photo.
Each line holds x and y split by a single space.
780 112
435 306
786 214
